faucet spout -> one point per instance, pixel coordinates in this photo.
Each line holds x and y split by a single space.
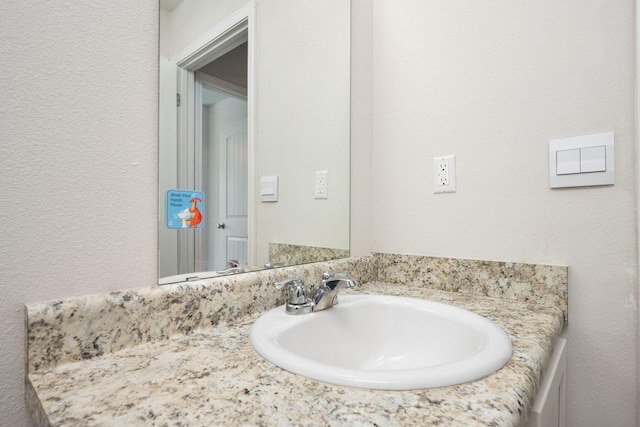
336 284
327 294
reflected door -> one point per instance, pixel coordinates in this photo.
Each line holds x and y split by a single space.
231 239
222 166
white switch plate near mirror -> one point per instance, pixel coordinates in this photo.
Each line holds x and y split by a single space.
269 188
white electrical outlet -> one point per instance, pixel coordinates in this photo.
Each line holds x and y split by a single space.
444 174
322 185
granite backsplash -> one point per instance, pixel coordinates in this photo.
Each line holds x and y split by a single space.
81 328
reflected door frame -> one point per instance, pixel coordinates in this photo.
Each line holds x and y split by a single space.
231 33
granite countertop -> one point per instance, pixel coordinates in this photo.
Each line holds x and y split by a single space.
213 376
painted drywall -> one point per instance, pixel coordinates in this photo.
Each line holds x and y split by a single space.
492 83
637 123
78 162
361 227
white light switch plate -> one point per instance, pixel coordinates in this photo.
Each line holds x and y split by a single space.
269 188
582 161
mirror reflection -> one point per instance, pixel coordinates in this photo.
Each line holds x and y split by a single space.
254 135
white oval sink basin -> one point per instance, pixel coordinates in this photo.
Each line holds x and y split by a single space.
383 342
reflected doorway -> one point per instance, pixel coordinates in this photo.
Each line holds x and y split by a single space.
221 168
208 151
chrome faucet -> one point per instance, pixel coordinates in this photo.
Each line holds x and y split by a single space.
233 267
324 297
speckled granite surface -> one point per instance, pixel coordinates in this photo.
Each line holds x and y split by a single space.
188 360
288 254
82 328
540 284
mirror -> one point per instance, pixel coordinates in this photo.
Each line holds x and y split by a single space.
254 135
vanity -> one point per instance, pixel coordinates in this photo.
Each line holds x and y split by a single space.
180 354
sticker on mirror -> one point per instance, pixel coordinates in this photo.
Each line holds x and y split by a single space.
185 209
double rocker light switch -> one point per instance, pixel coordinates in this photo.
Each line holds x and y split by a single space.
581 161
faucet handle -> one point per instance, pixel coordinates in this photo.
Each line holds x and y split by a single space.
334 275
297 294
286 282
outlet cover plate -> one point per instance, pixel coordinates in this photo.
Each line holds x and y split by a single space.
321 190
444 174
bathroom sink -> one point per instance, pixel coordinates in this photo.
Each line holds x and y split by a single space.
383 342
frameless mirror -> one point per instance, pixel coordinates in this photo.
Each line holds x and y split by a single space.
254 135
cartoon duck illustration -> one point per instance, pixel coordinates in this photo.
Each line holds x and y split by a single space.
192 216
196 216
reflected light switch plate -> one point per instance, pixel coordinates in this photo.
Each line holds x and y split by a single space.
269 188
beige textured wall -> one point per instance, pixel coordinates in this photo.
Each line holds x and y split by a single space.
492 83
78 161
